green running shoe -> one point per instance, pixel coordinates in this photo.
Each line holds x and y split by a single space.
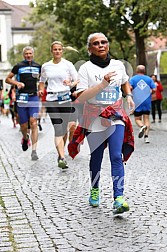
94 197
120 205
62 163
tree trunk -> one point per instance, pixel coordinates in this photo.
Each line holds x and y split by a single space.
140 50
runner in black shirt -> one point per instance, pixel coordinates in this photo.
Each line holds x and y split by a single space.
27 74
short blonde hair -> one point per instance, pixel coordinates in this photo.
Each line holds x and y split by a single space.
69 48
56 42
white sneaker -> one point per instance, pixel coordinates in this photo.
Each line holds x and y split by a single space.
141 131
146 140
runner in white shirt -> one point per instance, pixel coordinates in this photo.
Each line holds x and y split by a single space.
95 74
101 80
60 75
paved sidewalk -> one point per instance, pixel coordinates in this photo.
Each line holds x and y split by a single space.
43 209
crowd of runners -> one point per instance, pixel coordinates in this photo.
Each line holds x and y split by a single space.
87 103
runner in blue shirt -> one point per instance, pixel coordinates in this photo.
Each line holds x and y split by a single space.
142 88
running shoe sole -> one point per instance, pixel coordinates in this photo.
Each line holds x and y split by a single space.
146 141
94 204
120 210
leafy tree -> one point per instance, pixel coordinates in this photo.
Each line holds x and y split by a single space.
82 17
15 54
163 63
137 18
125 22
47 30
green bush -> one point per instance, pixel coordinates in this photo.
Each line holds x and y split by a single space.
164 103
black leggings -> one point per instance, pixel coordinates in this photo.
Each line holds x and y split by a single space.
156 105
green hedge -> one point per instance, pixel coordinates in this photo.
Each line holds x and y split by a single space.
164 103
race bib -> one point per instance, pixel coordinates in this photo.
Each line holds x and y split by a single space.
108 95
63 96
22 98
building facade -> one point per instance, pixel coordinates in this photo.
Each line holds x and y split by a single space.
13 30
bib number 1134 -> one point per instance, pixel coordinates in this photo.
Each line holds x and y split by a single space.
108 95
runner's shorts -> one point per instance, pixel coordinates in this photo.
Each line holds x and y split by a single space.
60 116
27 110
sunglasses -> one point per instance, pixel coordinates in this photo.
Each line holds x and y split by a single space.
102 42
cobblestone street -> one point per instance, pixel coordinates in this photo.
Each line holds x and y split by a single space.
43 209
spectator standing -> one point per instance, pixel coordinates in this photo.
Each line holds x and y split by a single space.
157 99
142 87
